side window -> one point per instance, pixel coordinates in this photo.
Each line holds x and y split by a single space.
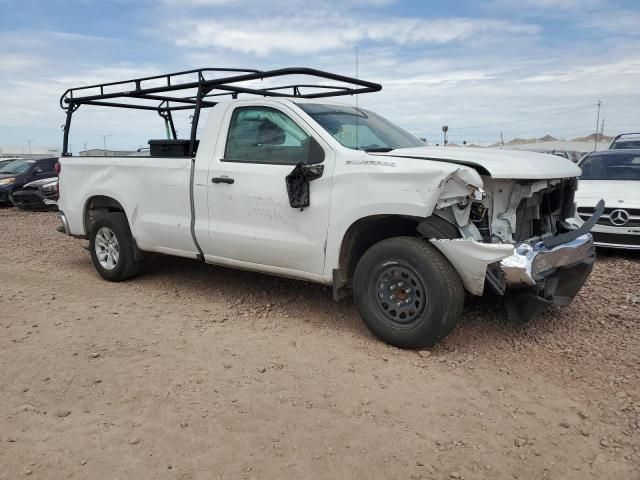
49 165
44 166
265 135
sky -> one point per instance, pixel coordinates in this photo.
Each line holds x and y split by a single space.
522 68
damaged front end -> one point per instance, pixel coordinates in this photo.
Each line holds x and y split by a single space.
515 237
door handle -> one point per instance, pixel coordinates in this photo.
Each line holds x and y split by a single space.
222 179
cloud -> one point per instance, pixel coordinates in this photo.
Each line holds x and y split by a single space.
304 35
289 5
11 63
547 4
618 22
198 3
479 68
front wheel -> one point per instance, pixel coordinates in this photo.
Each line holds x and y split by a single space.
112 248
407 292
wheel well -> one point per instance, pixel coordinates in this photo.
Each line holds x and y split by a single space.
360 237
97 206
368 231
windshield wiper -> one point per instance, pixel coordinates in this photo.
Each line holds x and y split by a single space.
378 149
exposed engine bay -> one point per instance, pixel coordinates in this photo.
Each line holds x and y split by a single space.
507 239
513 211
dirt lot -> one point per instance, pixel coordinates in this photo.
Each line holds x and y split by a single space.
193 371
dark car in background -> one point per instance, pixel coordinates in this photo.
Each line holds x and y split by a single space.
6 161
38 195
626 141
18 173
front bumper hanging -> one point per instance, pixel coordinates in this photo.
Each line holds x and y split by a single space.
538 277
550 272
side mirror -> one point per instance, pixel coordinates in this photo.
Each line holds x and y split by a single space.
298 184
38 170
316 152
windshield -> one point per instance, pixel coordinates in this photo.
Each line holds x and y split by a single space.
625 144
611 167
16 167
360 129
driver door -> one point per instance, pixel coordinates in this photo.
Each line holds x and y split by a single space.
251 221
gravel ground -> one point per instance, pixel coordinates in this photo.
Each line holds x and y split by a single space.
197 372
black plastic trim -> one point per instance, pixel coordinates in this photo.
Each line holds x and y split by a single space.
573 234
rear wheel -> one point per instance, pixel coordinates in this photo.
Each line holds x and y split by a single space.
112 248
407 292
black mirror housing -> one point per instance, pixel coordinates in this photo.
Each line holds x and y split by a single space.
316 152
298 184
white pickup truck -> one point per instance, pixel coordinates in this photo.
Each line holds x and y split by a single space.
296 185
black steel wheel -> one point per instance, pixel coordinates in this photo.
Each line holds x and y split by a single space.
399 292
407 292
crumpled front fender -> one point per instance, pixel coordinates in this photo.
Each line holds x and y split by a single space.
471 258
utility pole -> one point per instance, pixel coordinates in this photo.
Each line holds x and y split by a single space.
104 143
501 139
357 110
595 147
29 140
602 128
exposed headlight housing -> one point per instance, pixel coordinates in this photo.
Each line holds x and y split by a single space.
7 181
50 187
476 193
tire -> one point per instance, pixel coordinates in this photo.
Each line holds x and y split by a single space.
119 248
423 280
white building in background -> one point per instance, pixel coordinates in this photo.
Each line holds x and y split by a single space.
22 151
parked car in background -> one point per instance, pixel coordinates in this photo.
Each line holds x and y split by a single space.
613 175
544 147
626 141
568 154
6 161
19 172
38 195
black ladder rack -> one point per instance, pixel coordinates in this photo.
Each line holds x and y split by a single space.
139 92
